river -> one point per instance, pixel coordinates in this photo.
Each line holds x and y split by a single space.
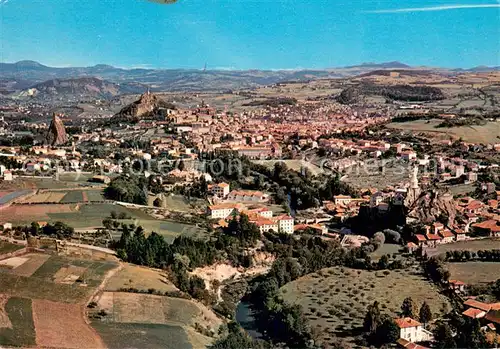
245 317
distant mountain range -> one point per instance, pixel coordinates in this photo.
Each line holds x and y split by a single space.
20 76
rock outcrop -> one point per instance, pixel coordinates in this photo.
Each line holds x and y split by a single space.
57 133
432 205
148 105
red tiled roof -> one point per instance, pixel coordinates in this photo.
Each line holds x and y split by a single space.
474 205
433 237
478 305
493 316
489 224
407 322
446 234
420 237
474 313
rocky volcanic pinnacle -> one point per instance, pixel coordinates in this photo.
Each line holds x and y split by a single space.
147 104
57 133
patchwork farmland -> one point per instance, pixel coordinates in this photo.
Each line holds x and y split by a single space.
40 294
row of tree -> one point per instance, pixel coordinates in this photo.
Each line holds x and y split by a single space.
466 255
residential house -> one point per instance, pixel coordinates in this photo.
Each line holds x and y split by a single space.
474 313
285 223
6 226
460 234
412 330
446 236
471 177
219 189
7 175
376 199
421 240
222 210
456 285
247 196
317 228
433 239
266 224
342 199
408 155
489 227
261 211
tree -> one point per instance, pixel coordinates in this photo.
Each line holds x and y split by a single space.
35 228
372 318
157 202
383 262
378 239
107 223
387 332
58 229
182 166
409 308
128 189
237 339
444 336
470 335
392 235
425 314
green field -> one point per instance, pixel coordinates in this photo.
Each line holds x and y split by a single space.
386 249
168 229
95 195
91 215
177 203
72 196
474 272
118 335
20 315
7 247
473 246
93 276
335 299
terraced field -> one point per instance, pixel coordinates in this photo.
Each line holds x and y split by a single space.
131 317
147 336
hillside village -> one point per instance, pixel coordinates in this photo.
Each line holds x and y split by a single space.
258 206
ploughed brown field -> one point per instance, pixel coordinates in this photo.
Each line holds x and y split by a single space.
62 325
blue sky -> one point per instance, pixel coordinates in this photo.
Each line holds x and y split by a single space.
246 34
